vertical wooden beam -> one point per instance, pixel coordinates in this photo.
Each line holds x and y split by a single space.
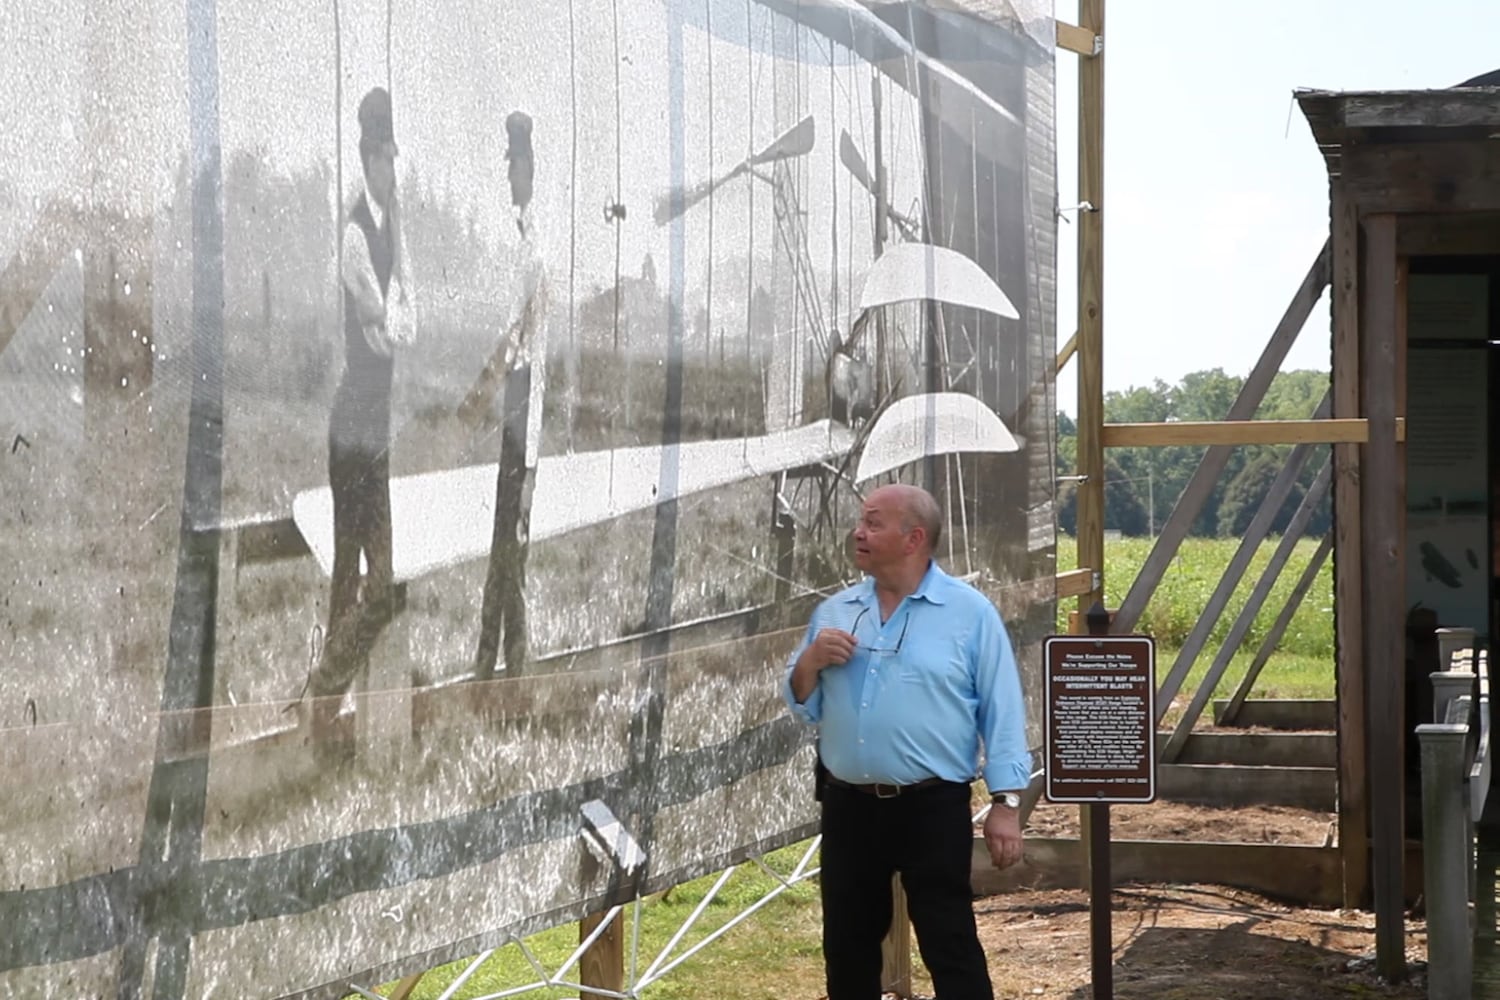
603 965
1090 336
1348 578
1383 314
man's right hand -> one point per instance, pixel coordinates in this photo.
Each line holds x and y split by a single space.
830 647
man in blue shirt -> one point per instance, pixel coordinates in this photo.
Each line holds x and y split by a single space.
907 674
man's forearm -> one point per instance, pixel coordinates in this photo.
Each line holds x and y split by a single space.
804 678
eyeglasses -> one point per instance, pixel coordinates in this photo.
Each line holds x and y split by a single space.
854 630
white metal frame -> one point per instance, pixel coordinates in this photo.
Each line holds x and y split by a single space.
636 980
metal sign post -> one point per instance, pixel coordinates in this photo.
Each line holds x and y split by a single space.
1100 749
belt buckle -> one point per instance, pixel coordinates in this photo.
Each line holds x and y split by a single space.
886 791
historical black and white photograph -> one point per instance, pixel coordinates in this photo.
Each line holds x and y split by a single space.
427 426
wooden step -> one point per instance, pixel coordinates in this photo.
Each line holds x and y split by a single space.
1232 785
1282 749
1282 713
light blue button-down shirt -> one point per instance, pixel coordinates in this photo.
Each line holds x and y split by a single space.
923 692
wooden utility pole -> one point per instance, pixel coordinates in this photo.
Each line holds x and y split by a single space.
1091 305
1093 820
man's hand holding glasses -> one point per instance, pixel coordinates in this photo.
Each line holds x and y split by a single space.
879 647
831 647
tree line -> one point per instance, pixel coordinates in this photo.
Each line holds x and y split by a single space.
1142 485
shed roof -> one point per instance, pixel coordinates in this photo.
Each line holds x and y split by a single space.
1341 118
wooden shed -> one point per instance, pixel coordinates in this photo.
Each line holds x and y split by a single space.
1414 190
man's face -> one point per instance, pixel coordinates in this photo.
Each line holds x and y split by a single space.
880 542
380 174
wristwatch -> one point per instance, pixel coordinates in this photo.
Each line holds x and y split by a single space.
1010 800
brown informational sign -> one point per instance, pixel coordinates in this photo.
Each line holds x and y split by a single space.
1100 717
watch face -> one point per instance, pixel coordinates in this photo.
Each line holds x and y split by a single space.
1009 799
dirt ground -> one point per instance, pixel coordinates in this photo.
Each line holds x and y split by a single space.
1176 942
1188 943
1175 821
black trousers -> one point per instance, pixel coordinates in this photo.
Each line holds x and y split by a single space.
504 602
927 837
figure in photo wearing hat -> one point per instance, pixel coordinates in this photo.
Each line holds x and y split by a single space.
516 375
378 316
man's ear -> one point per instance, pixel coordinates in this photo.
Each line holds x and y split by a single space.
915 539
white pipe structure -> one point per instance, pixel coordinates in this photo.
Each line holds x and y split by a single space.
659 967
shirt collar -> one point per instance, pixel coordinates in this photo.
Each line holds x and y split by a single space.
933 589
934 586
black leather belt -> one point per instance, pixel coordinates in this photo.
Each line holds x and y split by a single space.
883 791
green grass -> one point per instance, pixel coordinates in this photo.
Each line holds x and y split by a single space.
1285 675
776 953
1300 666
1194 574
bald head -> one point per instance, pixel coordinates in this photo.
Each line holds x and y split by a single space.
918 510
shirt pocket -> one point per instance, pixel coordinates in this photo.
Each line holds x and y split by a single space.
937 661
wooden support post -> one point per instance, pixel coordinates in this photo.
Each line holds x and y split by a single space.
1093 825
603 965
1348 579
1090 334
1090 340
895 950
1383 480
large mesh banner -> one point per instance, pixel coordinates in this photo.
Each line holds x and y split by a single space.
427 426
